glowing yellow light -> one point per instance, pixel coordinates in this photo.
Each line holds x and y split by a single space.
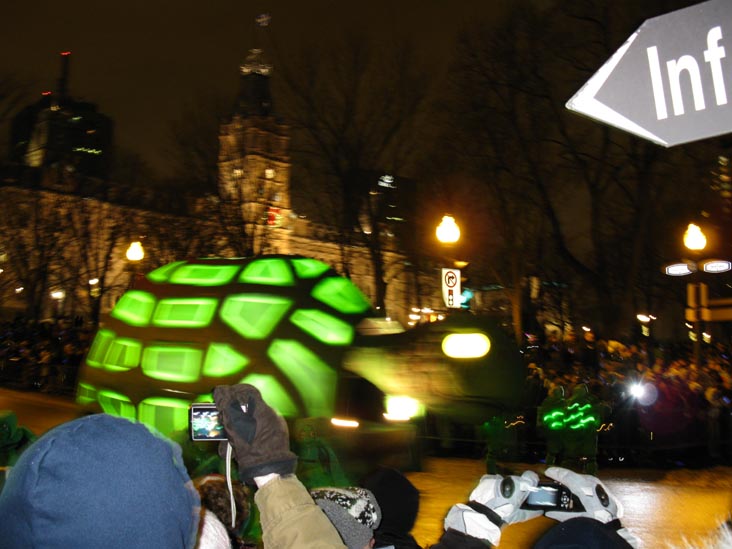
643 318
474 345
135 252
448 230
58 294
694 238
340 422
402 408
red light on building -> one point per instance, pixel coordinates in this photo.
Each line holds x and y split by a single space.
65 53
273 216
46 93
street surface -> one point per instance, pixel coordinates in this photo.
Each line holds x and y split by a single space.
661 507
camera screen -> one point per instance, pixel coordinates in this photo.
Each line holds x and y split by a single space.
205 423
545 496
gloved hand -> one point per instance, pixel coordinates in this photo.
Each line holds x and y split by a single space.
506 495
258 436
496 501
597 500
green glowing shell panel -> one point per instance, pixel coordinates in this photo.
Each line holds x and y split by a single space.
281 323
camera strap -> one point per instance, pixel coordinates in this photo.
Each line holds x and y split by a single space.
494 517
229 484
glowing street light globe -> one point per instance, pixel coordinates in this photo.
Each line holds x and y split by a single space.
448 231
694 238
135 252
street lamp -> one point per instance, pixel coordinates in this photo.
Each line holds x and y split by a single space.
58 296
94 290
135 253
695 241
448 231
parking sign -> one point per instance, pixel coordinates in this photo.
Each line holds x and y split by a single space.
451 288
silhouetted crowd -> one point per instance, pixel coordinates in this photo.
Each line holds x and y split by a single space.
43 356
621 396
653 403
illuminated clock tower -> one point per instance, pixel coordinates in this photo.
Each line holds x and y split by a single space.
254 162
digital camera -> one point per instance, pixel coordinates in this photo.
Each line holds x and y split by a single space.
552 496
204 422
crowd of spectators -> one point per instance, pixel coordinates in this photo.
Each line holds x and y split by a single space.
43 356
660 403
657 400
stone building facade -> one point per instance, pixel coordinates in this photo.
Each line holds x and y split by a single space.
90 229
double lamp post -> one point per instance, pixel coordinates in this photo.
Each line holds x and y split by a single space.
699 308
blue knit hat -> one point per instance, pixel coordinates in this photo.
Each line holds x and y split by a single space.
99 482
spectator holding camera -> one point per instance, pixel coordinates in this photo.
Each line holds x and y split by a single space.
105 481
498 501
290 517
259 442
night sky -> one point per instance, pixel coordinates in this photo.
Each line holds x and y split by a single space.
142 61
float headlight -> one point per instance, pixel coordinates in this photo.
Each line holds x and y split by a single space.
402 408
472 345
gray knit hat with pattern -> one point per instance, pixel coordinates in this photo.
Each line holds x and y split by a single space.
353 511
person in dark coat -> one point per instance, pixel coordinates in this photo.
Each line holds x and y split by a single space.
550 422
399 502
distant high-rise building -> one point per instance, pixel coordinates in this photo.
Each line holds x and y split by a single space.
60 133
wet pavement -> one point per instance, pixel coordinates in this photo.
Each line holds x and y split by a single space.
38 412
662 507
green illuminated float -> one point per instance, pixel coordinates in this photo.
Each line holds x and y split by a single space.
280 323
464 367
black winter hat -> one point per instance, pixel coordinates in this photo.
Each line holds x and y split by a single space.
397 497
583 533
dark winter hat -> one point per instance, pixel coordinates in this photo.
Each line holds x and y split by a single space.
583 533
397 497
353 511
99 482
